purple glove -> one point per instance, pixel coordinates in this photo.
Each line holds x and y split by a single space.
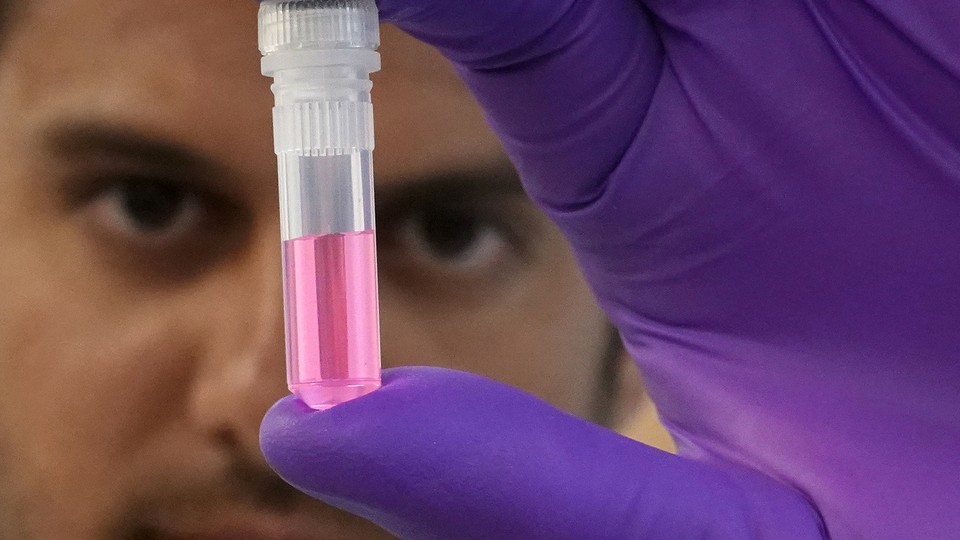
765 197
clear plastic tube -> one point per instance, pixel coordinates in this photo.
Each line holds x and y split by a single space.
320 54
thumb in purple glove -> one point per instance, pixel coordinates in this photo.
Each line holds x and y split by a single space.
442 454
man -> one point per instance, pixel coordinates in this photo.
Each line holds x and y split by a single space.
141 336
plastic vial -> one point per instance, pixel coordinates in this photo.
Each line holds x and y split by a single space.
320 54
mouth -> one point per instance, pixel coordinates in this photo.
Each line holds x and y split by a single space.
246 502
255 525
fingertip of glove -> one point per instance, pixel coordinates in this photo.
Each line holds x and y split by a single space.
291 426
278 424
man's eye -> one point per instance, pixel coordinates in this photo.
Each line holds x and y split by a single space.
453 250
454 240
149 209
161 228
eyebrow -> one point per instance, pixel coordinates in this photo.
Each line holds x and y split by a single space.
87 138
93 143
86 141
453 186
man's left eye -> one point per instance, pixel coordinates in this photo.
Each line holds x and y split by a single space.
453 241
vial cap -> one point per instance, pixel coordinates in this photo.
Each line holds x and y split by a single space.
318 24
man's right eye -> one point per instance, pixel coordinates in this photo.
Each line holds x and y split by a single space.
156 226
149 211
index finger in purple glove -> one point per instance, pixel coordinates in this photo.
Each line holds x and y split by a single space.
565 83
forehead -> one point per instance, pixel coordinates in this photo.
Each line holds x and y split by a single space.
189 70
163 68
164 44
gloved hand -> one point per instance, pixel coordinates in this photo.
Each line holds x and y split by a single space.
443 454
765 197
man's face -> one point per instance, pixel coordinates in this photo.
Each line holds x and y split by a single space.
141 331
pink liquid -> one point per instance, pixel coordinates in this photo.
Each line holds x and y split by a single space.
332 318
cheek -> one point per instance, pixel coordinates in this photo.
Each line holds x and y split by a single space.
80 381
543 333
553 340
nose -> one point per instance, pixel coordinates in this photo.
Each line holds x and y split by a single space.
242 372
